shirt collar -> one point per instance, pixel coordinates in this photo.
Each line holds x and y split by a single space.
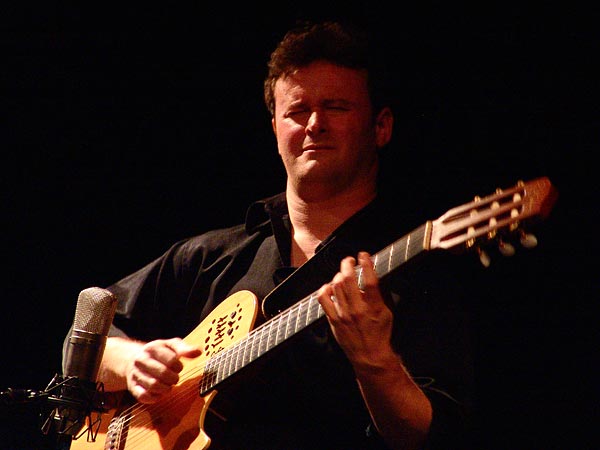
261 212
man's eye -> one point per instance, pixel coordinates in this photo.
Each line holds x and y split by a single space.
295 113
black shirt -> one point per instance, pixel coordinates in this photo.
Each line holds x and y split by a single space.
303 395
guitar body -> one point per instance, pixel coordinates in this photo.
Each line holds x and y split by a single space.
176 422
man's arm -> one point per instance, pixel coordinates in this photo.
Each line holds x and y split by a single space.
362 324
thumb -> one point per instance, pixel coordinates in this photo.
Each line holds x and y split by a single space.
182 348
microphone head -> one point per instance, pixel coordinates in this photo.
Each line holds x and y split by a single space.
83 350
95 311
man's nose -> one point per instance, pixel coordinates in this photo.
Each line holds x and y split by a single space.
316 122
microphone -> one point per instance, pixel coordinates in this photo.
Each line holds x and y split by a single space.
93 316
77 390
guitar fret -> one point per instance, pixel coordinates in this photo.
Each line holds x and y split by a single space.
233 368
282 328
229 365
253 348
287 324
268 333
217 372
241 359
293 315
220 374
277 331
261 341
238 361
296 328
245 354
319 311
310 309
305 312
375 264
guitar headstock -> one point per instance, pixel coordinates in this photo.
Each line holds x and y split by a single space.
496 217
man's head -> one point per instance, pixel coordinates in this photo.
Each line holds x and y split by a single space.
326 111
343 44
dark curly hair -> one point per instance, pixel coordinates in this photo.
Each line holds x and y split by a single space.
341 43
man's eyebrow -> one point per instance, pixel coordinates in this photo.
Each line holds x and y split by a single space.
340 101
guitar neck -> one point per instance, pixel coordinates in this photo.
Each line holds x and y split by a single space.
302 314
400 252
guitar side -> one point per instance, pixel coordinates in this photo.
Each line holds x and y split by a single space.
177 420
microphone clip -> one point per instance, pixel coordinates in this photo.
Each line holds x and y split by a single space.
71 402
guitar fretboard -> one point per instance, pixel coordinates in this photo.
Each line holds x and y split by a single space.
300 315
398 253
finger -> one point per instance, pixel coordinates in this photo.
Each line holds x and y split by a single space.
155 384
157 363
326 298
160 355
145 394
182 348
339 290
369 281
346 284
145 387
345 272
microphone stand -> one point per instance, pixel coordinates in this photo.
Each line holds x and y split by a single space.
66 404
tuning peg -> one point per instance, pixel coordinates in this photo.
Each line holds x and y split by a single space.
528 240
484 258
506 248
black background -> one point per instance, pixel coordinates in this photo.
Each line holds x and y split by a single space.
124 130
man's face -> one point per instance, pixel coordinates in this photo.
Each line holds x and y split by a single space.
324 125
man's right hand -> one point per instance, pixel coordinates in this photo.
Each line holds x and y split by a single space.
147 370
155 368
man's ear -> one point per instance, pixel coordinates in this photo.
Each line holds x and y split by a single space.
384 124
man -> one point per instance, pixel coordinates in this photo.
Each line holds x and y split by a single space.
349 382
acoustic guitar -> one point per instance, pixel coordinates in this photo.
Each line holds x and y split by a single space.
230 343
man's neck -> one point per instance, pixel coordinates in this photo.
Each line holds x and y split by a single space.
316 218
